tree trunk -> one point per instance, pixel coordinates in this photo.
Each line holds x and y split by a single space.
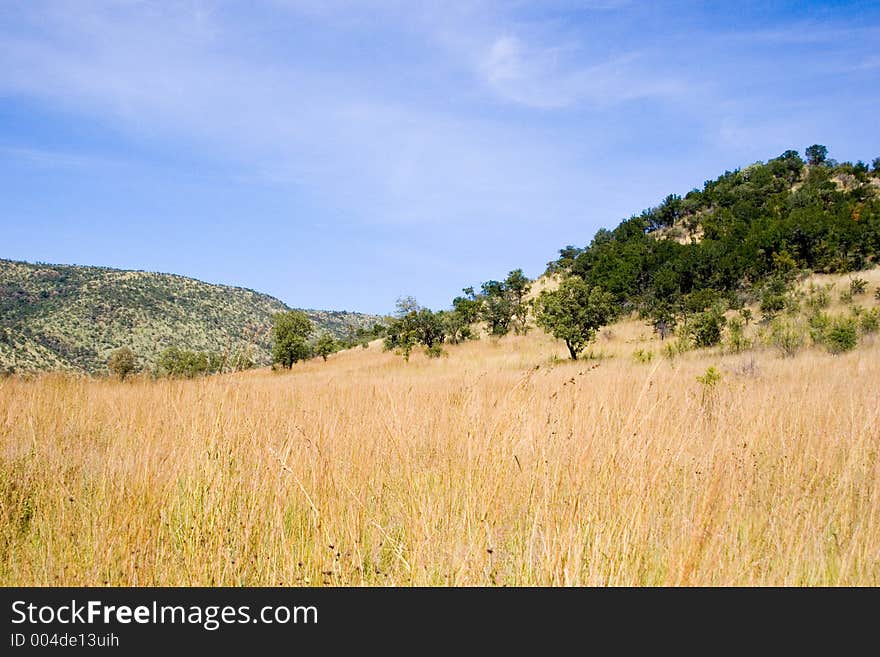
571 350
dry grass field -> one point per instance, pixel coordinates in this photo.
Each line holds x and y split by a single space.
500 464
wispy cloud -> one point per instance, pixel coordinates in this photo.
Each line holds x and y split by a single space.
189 75
547 77
46 158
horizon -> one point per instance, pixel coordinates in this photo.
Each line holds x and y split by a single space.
397 151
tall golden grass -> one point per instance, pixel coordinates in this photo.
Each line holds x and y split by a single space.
498 464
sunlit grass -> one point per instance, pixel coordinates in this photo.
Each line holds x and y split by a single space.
495 465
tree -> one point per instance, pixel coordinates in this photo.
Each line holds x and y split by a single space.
290 332
662 318
121 363
455 326
468 306
414 325
325 345
429 327
816 154
517 286
497 310
667 213
574 312
566 259
406 305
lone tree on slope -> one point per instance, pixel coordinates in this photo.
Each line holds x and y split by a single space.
816 154
325 345
121 363
290 332
574 312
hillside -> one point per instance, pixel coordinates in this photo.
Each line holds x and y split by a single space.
736 233
72 317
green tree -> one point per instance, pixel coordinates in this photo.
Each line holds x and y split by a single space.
121 363
517 287
816 154
290 332
565 261
455 326
429 327
415 325
468 306
497 310
406 305
662 318
574 312
325 345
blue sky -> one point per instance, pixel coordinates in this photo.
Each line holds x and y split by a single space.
339 155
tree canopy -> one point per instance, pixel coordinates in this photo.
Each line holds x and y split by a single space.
574 312
290 333
121 363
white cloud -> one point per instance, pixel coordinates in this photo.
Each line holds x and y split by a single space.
549 77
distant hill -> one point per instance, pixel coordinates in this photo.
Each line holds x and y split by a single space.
72 317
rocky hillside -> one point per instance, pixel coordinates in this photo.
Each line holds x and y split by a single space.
72 317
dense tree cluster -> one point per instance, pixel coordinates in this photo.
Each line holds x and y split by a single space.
183 363
503 306
740 235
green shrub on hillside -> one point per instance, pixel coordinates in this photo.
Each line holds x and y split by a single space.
869 321
787 335
736 341
290 333
819 323
858 286
842 335
818 297
643 356
325 345
705 328
183 363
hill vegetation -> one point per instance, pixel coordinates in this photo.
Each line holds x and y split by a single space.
745 238
737 236
74 318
